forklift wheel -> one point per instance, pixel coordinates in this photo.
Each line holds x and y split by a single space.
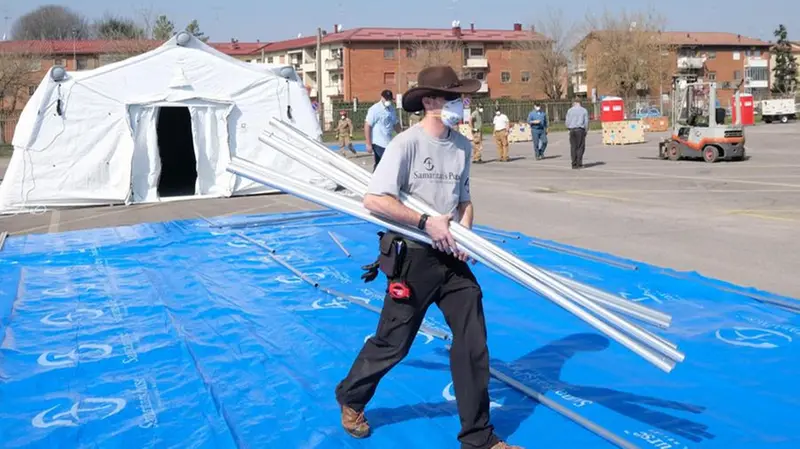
710 154
673 153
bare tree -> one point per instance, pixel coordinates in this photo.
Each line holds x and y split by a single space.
627 52
439 52
50 22
148 20
20 70
546 53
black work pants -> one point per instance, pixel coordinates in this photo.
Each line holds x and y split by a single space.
433 277
377 152
577 146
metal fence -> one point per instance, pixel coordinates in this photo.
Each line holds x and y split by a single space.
518 110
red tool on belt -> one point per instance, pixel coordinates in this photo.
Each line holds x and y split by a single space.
399 290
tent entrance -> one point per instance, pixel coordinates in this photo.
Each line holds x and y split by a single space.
176 152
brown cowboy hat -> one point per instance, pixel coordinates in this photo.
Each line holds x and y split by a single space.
437 80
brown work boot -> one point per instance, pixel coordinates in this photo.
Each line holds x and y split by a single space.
354 423
504 445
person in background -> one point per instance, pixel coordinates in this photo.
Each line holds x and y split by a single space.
344 130
537 118
577 122
501 128
476 119
381 121
414 118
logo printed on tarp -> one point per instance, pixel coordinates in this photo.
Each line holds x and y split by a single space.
753 337
329 303
657 439
86 352
67 320
85 410
449 395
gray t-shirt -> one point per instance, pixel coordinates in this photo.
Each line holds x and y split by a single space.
432 169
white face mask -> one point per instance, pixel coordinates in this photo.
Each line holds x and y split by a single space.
480 110
497 113
537 108
387 103
452 113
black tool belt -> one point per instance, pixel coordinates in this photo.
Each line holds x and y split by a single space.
393 252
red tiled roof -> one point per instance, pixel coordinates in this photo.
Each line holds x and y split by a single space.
689 38
93 47
79 47
238 48
407 34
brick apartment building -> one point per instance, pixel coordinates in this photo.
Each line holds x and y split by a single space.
358 64
726 58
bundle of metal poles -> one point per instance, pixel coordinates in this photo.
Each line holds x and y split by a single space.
585 302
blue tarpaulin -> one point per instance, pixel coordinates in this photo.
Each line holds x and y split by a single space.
183 334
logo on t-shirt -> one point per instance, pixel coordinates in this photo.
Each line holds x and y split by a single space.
428 164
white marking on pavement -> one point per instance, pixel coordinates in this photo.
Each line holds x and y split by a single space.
55 219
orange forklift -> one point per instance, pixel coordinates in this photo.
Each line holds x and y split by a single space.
698 126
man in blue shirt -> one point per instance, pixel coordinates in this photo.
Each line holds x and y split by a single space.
381 121
537 118
577 122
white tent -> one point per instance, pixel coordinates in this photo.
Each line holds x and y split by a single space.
160 125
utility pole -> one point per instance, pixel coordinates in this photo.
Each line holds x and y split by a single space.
320 98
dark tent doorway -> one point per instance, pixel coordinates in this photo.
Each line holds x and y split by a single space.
176 150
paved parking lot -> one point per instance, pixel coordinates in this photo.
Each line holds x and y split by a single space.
736 221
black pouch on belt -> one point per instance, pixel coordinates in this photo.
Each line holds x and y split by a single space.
390 258
393 252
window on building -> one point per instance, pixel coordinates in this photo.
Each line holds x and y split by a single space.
756 53
81 63
475 52
410 52
711 76
282 59
712 54
31 90
411 78
270 60
388 78
525 77
388 53
737 56
58 61
505 77
757 73
737 74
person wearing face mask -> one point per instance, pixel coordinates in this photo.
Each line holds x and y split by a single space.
432 162
344 129
380 122
538 121
501 128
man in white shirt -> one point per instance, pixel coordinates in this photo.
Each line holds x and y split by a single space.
501 128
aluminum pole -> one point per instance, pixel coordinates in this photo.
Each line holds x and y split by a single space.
469 239
322 197
316 149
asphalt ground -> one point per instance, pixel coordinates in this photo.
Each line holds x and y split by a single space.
736 221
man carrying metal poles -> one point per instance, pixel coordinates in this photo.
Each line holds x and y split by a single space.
432 162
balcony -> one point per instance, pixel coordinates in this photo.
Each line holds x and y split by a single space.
476 63
691 63
756 62
333 90
312 92
484 87
581 89
578 68
309 67
333 64
756 84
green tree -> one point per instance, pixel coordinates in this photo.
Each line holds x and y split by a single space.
117 28
785 69
194 29
163 28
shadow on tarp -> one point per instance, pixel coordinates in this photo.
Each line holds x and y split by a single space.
540 370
